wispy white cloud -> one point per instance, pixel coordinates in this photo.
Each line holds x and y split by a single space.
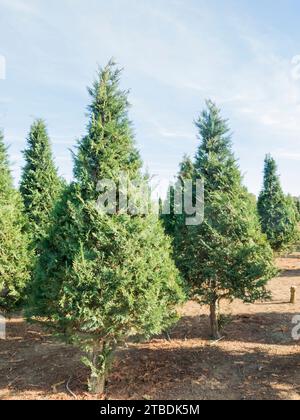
20 6
287 155
175 57
175 134
262 92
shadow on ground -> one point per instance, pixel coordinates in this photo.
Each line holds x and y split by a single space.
290 273
32 362
262 328
202 373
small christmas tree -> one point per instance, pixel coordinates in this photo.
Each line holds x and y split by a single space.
40 184
102 278
14 256
227 256
277 212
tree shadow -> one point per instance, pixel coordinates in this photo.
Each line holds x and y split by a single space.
273 303
181 369
291 256
290 273
261 328
32 361
204 373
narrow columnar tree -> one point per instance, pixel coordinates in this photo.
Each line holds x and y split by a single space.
297 207
102 278
40 184
14 256
170 217
276 211
173 216
227 256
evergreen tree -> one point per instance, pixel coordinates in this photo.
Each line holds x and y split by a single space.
277 212
297 207
170 217
103 278
40 185
227 256
14 256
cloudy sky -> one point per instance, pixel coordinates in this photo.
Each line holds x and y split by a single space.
175 54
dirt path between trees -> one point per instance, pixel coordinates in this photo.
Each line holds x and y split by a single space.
257 358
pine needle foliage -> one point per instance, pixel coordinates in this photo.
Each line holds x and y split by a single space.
277 212
14 255
104 278
40 184
227 256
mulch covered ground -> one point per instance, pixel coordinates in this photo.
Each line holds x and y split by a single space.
257 358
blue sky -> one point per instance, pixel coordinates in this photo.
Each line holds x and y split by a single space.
175 54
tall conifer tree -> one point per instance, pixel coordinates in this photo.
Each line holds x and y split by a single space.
103 278
40 183
227 256
14 256
277 212
297 207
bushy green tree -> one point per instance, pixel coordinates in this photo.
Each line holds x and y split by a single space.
40 184
227 256
173 216
276 211
104 278
14 256
297 207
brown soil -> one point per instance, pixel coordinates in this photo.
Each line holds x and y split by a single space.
257 358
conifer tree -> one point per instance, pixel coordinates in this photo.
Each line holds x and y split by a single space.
227 256
14 256
103 278
40 183
170 217
276 211
297 207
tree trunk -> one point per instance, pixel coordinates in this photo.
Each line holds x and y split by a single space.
214 324
98 375
97 384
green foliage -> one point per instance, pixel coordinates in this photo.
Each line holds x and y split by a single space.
171 218
14 257
278 215
103 278
40 185
110 136
227 256
297 207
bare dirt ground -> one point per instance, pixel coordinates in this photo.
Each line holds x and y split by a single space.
257 359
